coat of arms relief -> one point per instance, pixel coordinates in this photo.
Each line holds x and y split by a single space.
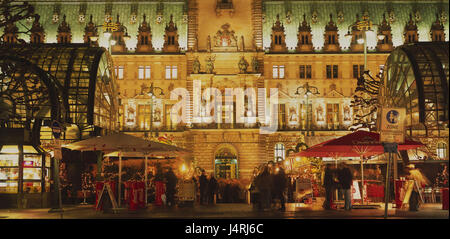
225 40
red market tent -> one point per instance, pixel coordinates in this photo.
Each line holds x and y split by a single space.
357 144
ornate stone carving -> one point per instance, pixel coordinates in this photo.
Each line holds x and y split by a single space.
225 40
209 66
255 64
196 66
243 65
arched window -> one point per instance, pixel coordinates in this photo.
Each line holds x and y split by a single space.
441 150
279 152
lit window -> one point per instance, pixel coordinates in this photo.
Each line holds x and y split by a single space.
147 72
119 72
171 72
174 72
141 73
442 150
278 72
279 152
144 72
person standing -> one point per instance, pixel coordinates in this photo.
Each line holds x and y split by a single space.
345 180
212 189
203 181
171 183
420 181
264 185
280 181
328 183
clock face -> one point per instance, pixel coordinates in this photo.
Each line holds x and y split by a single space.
133 19
81 18
55 18
159 19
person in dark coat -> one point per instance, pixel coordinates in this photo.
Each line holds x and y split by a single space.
203 181
328 183
212 188
279 186
345 178
264 185
171 183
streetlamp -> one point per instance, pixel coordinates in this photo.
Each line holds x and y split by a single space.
365 26
307 90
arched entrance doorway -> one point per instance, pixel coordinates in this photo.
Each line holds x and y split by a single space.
226 162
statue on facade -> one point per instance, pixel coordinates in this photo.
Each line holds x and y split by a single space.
255 64
196 66
209 66
243 65
208 44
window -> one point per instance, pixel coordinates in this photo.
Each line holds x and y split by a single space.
305 72
171 72
144 40
119 72
441 150
144 72
333 116
305 39
358 71
278 72
279 153
144 117
332 71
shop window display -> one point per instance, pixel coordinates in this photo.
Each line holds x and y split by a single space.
31 167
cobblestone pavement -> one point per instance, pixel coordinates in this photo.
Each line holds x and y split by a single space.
226 211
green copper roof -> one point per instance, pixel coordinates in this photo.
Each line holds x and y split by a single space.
427 11
97 9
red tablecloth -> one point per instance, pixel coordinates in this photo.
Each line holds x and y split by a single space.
444 193
398 191
375 191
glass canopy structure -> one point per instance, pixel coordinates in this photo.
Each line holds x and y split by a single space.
416 77
72 83
39 83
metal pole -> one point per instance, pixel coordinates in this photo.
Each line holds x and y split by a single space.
387 186
120 177
365 49
362 181
145 179
307 114
151 114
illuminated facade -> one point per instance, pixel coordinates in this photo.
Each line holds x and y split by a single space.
283 44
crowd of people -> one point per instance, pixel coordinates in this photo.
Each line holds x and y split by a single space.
270 185
341 179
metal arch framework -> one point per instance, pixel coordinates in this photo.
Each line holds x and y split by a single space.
20 84
417 78
80 78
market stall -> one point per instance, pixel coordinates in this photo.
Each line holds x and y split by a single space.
360 144
124 144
